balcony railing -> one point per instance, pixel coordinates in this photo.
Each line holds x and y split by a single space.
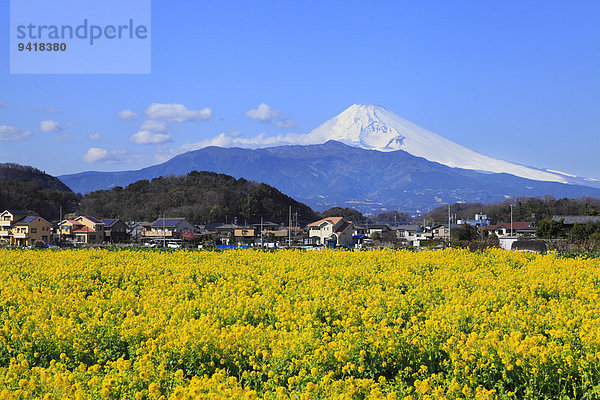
157 234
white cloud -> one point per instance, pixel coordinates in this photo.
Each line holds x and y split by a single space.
263 113
9 133
234 139
43 110
176 113
287 124
50 126
95 137
266 114
126 115
95 154
147 137
62 138
153 126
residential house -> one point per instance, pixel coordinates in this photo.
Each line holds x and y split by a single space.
332 231
244 234
66 227
371 229
412 235
518 229
115 230
82 230
569 221
166 228
480 221
7 219
442 232
23 228
136 229
221 229
266 226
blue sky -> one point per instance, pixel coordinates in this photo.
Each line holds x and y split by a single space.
514 80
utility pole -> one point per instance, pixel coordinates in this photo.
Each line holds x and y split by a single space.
164 233
290 228
449 227
511 219
261 232
60 226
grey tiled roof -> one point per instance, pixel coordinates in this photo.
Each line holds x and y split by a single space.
576 219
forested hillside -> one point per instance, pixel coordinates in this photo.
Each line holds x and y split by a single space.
525 209
198 196
23 187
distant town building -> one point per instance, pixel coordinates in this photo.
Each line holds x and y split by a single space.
166 228
518 228
412 235
331 232
480 221
570 220
442 232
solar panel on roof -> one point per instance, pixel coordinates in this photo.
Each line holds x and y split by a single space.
166 222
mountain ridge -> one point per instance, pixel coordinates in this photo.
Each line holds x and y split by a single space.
377 128
335 174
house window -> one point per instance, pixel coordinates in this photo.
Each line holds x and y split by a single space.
92 237
6 218
33 230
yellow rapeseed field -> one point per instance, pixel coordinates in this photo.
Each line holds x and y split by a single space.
450 324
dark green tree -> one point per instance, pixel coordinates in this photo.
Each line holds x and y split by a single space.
548 229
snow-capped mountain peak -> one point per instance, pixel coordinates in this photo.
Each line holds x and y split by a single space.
375 127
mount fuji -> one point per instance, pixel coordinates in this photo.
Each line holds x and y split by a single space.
367 158
376 128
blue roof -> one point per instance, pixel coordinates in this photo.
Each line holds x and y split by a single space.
166 222
96 220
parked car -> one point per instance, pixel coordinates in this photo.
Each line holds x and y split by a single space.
174 245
